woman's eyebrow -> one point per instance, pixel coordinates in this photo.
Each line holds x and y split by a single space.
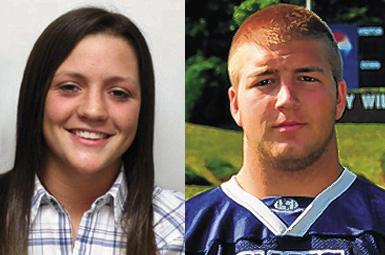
117 78
75 75
111 79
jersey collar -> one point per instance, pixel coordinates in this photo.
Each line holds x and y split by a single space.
304 221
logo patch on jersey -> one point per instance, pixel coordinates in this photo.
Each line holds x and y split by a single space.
286 204
312 252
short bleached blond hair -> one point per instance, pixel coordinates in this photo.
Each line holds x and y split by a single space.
279 24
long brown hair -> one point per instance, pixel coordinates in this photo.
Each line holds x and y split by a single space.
16 187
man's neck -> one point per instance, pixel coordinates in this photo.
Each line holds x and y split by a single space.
264 181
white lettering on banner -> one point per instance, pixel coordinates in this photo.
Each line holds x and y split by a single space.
368 101
370 31
312 252
380 102
350 100
370 65
371 101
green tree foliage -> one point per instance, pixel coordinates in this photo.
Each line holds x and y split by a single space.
201 73
192 178
345 11
207 27
207 42
246 8
382 162
222 169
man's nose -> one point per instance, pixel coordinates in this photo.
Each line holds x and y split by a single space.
286 97
93 106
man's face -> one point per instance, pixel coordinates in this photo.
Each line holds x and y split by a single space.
286 102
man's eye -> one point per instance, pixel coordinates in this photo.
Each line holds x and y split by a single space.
69 88
264 83
120 94
307 79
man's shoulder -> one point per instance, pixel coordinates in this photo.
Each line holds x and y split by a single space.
371 196
366 183
206 199
202 211
364 202
369 192
213 214
211 204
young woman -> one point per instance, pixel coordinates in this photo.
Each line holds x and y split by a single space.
83 178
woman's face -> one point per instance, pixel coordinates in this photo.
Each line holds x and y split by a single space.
92 106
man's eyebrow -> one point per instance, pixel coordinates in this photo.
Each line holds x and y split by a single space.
309 69
261 72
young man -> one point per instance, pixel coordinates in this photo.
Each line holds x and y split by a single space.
291 195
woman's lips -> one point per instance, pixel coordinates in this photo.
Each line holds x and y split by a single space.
89 138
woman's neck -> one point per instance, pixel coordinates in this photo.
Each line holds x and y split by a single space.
76 191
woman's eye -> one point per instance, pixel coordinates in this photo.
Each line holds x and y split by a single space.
121 94
69 88
264 83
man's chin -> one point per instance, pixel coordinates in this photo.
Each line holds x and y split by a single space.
292 164
290 160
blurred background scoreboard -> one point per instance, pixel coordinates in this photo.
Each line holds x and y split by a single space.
363 51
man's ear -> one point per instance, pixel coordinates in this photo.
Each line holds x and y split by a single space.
234 107
341 99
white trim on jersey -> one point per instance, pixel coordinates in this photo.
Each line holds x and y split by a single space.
304 221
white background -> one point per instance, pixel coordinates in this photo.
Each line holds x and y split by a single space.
162 23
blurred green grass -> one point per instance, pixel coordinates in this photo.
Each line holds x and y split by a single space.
361 147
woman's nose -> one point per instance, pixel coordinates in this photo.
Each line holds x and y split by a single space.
93 106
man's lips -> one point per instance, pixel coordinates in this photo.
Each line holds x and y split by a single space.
287 126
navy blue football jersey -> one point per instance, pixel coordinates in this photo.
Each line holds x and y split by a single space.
346 218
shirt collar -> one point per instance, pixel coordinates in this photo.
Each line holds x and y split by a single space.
118 192
40 197
116 195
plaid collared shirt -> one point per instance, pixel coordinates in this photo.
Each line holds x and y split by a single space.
100 232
